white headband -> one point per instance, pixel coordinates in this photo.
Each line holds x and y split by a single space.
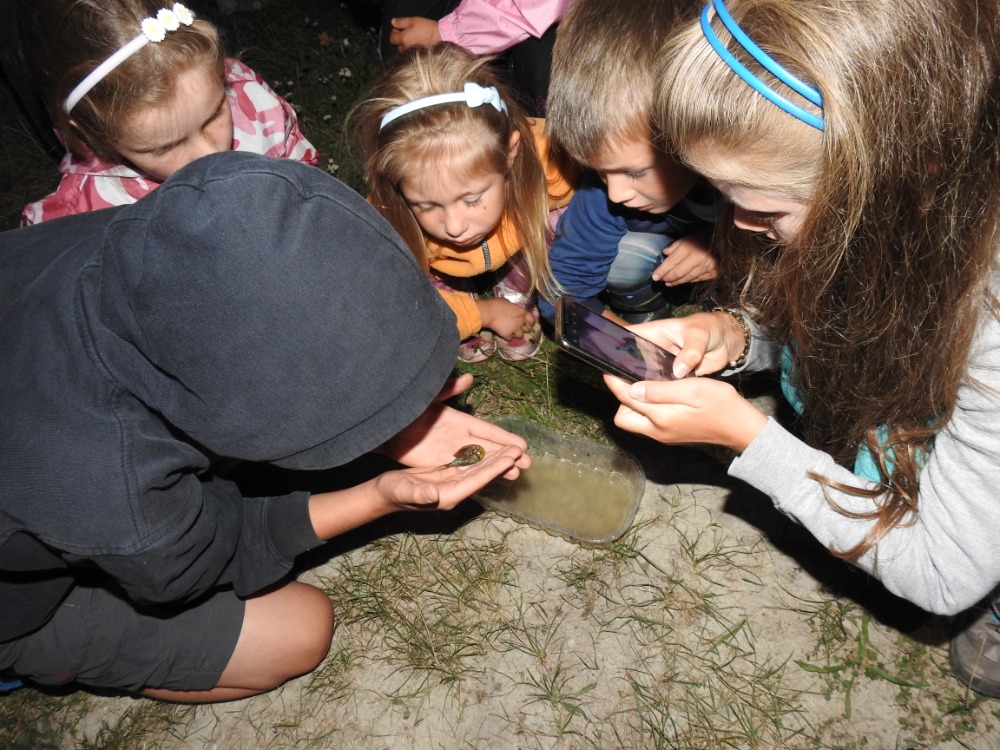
474 95
153 30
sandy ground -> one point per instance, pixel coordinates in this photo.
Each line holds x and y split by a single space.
714 623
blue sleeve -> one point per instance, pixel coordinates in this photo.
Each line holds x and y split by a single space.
585 245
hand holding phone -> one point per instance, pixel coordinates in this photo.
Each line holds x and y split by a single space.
608 346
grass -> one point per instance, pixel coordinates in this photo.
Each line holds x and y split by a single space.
712 623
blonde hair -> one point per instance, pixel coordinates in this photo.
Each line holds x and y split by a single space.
472 140
600 88
64 40
880 293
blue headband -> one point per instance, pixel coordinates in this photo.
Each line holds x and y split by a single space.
803 89
473 94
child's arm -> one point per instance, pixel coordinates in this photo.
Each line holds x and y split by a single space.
433 437
483 27
442 488
467 314
431 440
688 259
585 245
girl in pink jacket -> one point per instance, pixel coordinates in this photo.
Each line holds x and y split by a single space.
137 91
522 30
484 27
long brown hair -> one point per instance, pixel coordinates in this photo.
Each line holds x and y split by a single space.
880 293
472 140
64 40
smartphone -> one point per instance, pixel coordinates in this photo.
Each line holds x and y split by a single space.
608 346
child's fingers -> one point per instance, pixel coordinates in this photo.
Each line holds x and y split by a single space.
456 483
687 270
453 387
686 260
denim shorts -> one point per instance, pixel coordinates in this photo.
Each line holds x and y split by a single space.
98 639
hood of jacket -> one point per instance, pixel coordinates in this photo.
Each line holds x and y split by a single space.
267 312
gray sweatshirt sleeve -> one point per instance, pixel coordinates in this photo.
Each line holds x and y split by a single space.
949 557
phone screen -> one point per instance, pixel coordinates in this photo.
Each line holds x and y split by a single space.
609 346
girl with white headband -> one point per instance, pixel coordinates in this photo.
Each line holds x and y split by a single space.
859 146
465 177
137 89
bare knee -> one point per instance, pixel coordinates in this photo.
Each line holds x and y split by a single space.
316 613
305 622
286 633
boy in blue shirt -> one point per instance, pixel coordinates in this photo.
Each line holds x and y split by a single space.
635 235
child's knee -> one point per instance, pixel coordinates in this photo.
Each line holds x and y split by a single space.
639 253
316 612
299 630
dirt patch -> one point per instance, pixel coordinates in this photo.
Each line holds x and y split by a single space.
714 622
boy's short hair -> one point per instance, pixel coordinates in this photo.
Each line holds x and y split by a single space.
601 87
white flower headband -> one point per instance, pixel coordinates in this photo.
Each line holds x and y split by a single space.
153 30
474 95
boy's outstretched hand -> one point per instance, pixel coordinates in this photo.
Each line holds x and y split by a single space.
444 487
439 488
431 440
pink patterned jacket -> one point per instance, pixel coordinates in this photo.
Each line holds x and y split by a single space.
263 123
485 27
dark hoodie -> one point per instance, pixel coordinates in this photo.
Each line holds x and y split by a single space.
250 308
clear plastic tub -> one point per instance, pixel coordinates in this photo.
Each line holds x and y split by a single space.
580 490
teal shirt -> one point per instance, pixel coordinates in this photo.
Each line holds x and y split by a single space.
864 463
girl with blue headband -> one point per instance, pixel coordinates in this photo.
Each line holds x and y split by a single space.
464 176
857 143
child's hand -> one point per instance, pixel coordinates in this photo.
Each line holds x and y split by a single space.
413 31
687 260
432 438
704 342
504 318
441 488
693 410
444 487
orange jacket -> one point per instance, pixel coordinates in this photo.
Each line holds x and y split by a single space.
502 244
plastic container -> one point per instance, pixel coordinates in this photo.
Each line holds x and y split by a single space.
580 490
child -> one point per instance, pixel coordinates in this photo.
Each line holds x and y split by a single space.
869 257
523 31
463 175
147 341
136 91
484 27
637 203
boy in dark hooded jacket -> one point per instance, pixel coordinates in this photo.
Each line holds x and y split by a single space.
215 319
